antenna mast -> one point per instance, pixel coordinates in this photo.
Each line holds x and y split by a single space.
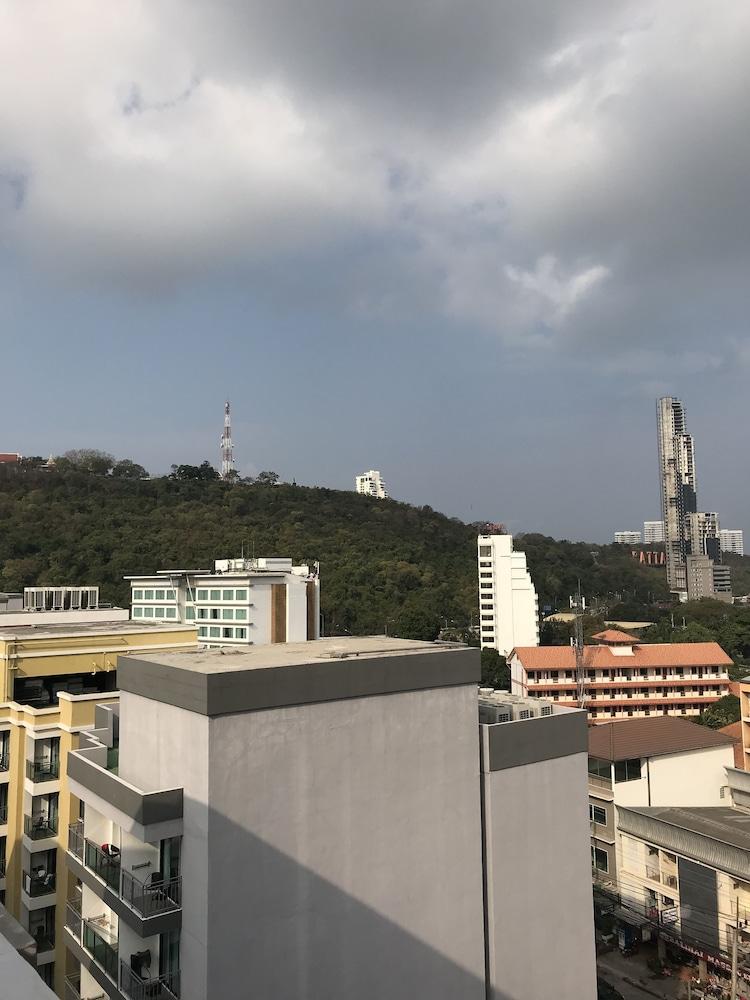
578 608
227 452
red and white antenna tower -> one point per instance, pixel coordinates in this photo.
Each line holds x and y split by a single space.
227 452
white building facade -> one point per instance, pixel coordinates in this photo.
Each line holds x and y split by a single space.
732 541
371 484
508 603
653 532
243 602
627 538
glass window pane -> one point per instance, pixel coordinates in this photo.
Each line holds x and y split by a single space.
214 632
148 595
171 612
159 595
227 614
228 595
189 614
240 595
240 633
215 595
137 595
240 614
148 612
202 595
137 612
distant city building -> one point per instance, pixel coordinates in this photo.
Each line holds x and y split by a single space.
287 775
704 531
508 603
57 606
678 490
653 532
10 458
371 484
732 541
722 577
627 538
625 678
242 602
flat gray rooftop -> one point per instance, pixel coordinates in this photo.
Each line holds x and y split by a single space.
721 823
57 631
224 681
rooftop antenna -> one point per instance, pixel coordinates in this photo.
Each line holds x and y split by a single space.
578 645
227 452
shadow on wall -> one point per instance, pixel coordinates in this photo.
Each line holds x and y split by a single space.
279 931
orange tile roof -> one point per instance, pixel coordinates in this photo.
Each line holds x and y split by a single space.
662 654
614 635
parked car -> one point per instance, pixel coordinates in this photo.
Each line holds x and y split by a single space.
606 991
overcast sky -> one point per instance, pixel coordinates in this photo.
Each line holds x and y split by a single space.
465 242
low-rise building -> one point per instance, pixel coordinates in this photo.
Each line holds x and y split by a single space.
659 761
242 602
625 678
627 538
392 853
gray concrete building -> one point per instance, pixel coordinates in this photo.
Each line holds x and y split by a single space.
306 821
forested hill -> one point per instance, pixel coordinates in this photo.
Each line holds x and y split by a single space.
383 563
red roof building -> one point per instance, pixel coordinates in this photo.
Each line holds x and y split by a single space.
9 458
625 678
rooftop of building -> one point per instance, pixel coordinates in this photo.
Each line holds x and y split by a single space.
661 654
651 736
72 629
720 823
615 637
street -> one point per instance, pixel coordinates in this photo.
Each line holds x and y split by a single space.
633 979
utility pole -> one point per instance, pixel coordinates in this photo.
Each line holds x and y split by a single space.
735 936
578 645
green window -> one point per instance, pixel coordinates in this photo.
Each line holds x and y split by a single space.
228 595
215 595
148 612
159 595
214 632
158 612
137 595
148 595
137 612
203 612
202 595
227 614
240 633
189 614
240 614
240 595
171 612
171 596
227 633
203 631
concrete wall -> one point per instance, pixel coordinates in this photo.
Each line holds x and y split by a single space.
540 911
345 851
692 778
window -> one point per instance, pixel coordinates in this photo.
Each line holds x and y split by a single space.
485 576
485 565
240 633
628 770
599 859
202 595
137 612
214 614
227 633
597 815
485 550
214 632
601 768
240 614
240 595
227 614
171 612
215 595
158 612
159 595
148 612
487 618
486 586
227 595
189 614
137 595
171 596
487 607
203 612
148 595
203 631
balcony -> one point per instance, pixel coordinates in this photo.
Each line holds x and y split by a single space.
155 896
40 827
3 813
4 760
73 990
2 867
101 944
75 839
39 884
131 984
106 866
73 919
42 770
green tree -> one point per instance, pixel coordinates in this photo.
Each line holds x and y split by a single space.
495 671
723 712
267 478
98 463
125 468
205 472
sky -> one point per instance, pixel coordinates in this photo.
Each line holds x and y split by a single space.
464 242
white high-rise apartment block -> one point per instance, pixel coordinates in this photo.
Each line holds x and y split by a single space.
243 602
653 532
508 603
371 484
627 538
704 531
732 541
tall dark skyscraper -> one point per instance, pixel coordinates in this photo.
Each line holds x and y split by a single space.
678 489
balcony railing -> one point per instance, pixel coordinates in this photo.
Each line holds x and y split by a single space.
4 760
40 827
103 953
2 867
73 918
3 813
39 885
166 987
155 896
76 839
73 990
104 865
42 770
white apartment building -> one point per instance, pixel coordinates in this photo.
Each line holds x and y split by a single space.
243 602
627 538
653 532
732 541
371 484
508 603
251 841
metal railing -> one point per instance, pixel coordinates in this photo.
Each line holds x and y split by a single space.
155 896
103 865
4 761
73 918
2 867
39 827
73 990
75 839
39 885
42 770
3 813
166 987
103 953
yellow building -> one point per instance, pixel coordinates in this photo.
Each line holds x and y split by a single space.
36 809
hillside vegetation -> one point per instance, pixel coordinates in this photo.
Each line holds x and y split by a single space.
384 564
